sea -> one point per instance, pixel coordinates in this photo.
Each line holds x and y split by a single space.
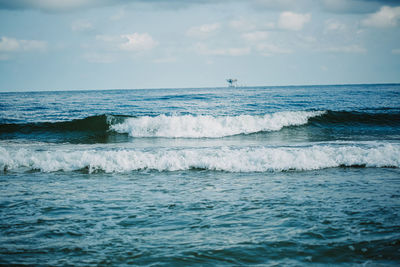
242 176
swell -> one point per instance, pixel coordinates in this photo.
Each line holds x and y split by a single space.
91 129
175 126
354 118
229 159
93 123
103 128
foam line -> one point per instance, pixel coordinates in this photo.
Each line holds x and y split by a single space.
256 159
208 126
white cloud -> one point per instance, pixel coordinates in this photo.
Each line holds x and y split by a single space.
293 21
255 36
137 42
334 26
134 42
203 49
81 26
203 31
8 44
112 48
385 17
346 49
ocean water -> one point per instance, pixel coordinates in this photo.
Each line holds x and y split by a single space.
268 176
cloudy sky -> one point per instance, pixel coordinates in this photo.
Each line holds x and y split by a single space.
102 44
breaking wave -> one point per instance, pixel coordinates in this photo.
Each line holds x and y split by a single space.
97 129
166 126
209 126
249 159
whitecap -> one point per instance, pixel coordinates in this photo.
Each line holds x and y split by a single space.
189 126
229 159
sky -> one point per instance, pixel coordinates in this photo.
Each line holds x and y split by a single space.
138 44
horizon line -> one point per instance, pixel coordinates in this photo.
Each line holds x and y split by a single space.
202 87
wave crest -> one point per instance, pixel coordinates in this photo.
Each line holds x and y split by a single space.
208 126
100 127
258 159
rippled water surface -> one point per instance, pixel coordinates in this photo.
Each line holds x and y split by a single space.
202 217
269 176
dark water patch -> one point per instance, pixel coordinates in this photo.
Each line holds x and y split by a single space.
341 125
94 129
94 123
183 97
359 166
382 109
353 118
291 252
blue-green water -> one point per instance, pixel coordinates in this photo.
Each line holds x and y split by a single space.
214 176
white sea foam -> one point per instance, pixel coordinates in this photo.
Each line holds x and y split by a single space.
209 126
256 159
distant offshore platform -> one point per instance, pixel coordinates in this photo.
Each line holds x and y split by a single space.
232 82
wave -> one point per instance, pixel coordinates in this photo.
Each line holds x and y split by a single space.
357 118
189 126
94 123
98 128
249 159
164 126
92 129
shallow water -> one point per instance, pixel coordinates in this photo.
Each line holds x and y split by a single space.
245 176
339 215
